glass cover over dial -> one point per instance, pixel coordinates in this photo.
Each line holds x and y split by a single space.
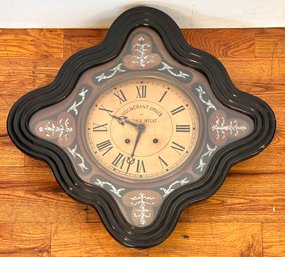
142 128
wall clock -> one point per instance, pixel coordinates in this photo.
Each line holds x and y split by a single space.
140 126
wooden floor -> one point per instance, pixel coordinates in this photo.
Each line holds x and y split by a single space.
246 217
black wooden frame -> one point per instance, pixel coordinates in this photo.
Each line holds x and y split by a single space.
179 49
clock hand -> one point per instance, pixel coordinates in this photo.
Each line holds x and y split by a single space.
141 128
123 119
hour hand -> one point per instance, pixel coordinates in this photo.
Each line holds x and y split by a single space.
124 120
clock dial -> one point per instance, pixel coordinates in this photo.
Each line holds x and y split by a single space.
142 128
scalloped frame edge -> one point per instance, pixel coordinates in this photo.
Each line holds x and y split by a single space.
179 49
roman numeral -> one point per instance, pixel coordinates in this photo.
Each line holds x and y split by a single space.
102 108
178 109
140 166
119 161
129 165
182 128
163 96
177 148
163 163
120 96
100 128
141 91
104 146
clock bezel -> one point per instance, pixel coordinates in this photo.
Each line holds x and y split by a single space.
180 50
152 181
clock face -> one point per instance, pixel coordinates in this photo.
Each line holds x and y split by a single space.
142 128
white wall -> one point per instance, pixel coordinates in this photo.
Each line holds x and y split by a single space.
101 13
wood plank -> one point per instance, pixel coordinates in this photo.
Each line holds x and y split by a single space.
273 239
15 81
87 240
262 89
4 106
10 155
31 43
31 195
18 80
77 39
252 71
43 75
212 239
269 161
20 240
223 43
31 162
270 43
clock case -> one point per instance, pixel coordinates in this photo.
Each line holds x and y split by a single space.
180 50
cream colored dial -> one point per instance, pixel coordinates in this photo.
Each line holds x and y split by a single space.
142 128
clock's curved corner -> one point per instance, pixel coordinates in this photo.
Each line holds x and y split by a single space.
141 126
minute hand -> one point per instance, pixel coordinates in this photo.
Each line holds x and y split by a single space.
141 129
123 119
